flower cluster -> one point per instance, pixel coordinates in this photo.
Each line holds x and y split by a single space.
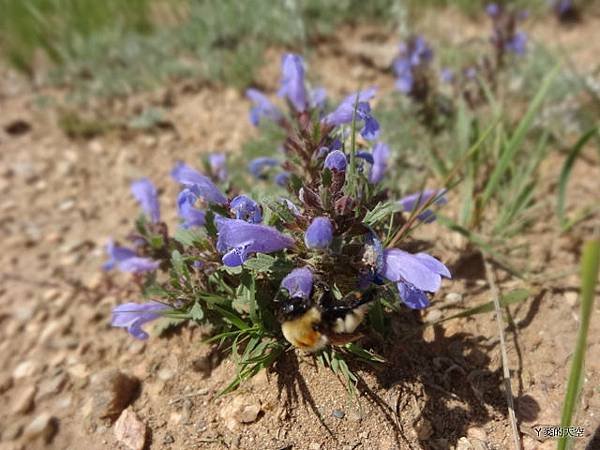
505 36
412 67
331 221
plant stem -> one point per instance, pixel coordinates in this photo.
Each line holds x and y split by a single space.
505 370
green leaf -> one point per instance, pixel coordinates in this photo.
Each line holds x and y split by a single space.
210 226
516 140
280 210
565 174
188 237
232 317
326 178
590 264
166 323
380 212
197 313
512 297
179 264
483 246
156 241
155 290
260 263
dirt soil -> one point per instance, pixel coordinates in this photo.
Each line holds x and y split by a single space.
62 198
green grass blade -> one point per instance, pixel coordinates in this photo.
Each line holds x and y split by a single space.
517 138
565 174
590 263
482 245
512 297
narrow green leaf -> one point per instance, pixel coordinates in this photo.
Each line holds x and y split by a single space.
516 140
565 174
590 264
512 297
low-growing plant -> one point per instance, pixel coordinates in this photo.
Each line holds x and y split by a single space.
300 264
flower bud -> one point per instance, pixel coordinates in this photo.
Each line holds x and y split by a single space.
319 233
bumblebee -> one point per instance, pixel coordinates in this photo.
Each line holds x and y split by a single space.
312 323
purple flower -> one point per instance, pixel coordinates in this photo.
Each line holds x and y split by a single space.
420 52
126 260
192 216
238 239
493 10
292 81
447 75
345 112
365 155
282 179
414 55
518 43
405 79
133 315
318 97
381 154
201 185
260 166
299 283
470 73
319 233
336 161
246 209
414 201
145 193
218 166
262 107
414 275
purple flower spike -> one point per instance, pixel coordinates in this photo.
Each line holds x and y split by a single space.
238 239
299 283
259 167
381 154
416 200
133 315
319 233
292 81
262 108
414 275
192 216
336 161
201 185
246 209
218 166
414 55
145 193
345 112
518 43
126 260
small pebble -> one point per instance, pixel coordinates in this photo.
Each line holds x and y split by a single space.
23 403
338 413
44 426
130 431
25 369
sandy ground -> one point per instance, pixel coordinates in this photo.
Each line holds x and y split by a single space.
441 388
